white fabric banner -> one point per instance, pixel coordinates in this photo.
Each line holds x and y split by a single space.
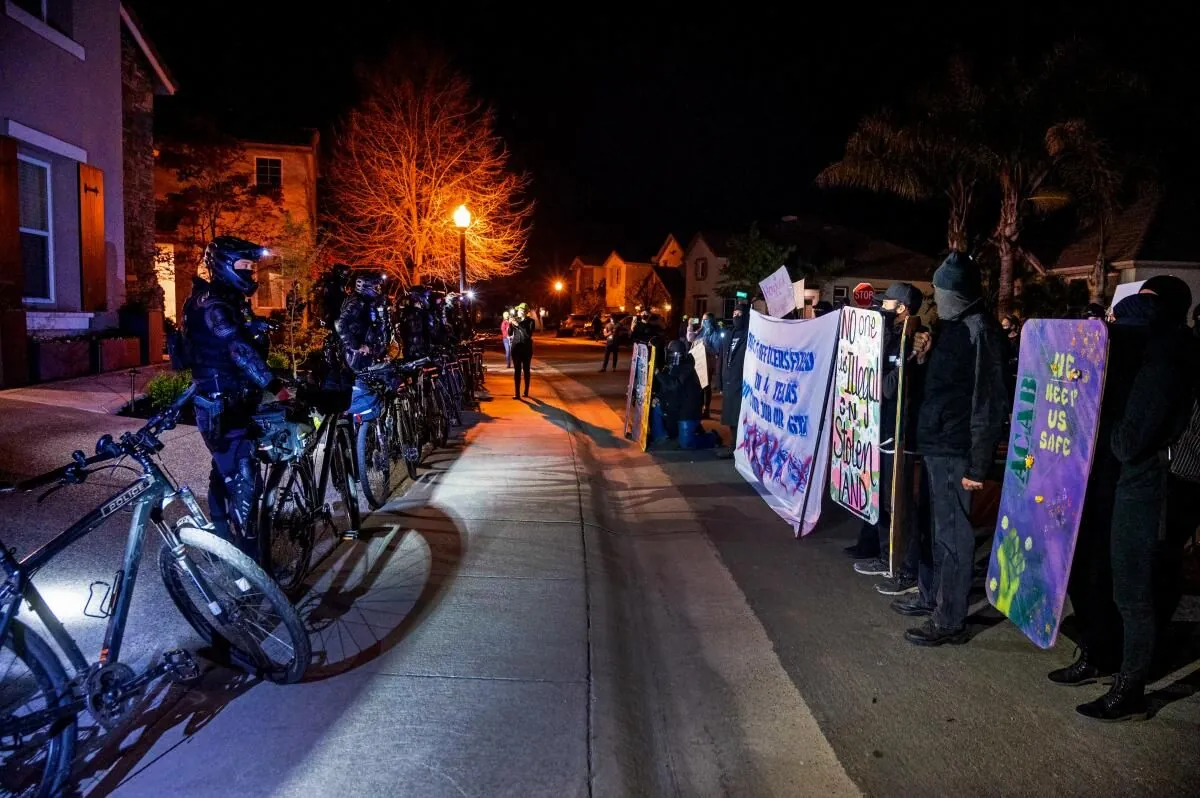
777 290
783 432
698 355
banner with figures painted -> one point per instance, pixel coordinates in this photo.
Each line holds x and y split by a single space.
1060 383
782 435
857 392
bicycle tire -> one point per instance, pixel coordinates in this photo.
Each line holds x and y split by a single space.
409 439
368 441
199 616
343 472
439 426
51 680
289 575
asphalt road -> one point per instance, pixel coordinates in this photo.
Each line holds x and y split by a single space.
978 719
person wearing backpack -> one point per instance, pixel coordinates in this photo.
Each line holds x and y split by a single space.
520 332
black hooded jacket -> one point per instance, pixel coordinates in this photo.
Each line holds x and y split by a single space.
226 343
733 359
963 405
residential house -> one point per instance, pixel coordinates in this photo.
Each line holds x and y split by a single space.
77 82
705 258
287 173
622 280
670 253
1155 235
586 273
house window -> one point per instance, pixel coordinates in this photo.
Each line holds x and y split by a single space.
270 294
268 172
55 13
34 223
840 294
701 305
727 308
701 268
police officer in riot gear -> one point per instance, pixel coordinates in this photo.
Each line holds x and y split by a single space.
363 325
414 324
226 347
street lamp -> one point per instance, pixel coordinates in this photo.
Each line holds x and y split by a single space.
462 220
558 286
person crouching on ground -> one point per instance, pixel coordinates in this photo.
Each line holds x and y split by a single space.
680 399
959 422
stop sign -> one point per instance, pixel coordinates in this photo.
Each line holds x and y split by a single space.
864 295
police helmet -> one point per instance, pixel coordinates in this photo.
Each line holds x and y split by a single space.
229 259
369 284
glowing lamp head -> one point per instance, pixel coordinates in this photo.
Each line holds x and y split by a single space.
462 217
470 294
558 285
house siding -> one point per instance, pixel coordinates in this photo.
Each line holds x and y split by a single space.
705 287
50 90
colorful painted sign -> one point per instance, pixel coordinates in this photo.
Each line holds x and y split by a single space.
700 358
783 433
1060 382
637 395
778 291
857 393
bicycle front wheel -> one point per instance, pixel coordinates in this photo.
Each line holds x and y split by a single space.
288 521
35 754
250 623
342 469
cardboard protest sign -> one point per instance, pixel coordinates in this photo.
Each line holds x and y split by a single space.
699 355
779 293
782 438
637 395
1060 382
857 393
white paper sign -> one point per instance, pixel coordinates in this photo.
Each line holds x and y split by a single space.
798 291
783 430
857 393
699 355
1125 289
777 290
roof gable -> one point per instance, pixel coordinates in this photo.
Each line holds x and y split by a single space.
1158 226
159 67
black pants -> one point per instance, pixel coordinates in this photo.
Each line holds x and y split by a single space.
233 477
610 349
521 357
945 581
1136 547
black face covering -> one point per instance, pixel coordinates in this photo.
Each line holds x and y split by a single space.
951 304
248 276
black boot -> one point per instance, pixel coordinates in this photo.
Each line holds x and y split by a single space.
1125 700
1080 672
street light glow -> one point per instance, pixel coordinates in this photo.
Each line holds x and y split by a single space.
558 285
462 217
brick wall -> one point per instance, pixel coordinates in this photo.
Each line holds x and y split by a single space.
137 111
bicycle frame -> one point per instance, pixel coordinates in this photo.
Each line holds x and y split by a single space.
150 494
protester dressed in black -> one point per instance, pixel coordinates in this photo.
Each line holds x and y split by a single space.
733 358
520 332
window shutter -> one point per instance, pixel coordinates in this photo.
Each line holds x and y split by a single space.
12 277
93 260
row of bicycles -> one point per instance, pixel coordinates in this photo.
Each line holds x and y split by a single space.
236 597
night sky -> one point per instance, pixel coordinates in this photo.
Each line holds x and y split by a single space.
635 122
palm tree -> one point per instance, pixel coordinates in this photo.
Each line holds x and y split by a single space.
932 155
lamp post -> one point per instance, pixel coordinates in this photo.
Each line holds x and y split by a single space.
462 220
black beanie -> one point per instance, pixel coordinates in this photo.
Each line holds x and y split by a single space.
959 274
1173 293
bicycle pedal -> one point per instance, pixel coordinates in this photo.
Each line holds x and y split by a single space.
180 665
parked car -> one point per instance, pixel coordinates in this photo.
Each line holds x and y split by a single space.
575 324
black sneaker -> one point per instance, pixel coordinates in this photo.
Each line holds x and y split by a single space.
930 634
897 585
875 567
911 607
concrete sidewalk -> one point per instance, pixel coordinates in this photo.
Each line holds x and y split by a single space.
95 393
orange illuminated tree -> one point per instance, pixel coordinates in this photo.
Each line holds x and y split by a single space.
418 146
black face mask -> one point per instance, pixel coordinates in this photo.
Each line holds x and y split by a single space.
247 275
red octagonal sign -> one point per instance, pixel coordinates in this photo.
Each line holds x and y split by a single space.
864 295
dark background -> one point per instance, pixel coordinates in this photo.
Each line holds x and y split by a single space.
636 121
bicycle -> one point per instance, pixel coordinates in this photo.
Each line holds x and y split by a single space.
293 499
386 431
222 593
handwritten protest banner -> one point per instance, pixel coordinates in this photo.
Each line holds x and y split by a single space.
1060 382
782 436
778 291
857 392
637 395
701 359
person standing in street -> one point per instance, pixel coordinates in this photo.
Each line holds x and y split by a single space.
959 422
520 332
505 323
711 336
732 360
901 301
612 343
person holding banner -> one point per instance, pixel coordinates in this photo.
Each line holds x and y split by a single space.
731 364
901 301
960 420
